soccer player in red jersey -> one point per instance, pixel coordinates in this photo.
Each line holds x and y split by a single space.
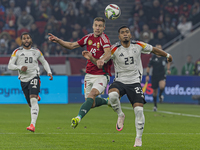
97 76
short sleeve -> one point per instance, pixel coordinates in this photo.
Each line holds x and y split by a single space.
113 50
83 41
105 41
146 48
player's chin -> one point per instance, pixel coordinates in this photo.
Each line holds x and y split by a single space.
125 38
97 33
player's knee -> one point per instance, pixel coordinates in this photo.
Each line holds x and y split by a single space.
139 115
33 101
113 96
162 88
93 94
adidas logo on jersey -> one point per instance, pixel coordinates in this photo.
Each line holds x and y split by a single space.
121 55
94 44
22 54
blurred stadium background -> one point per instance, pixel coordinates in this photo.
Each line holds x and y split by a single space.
172 23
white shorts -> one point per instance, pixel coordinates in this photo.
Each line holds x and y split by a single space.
98 82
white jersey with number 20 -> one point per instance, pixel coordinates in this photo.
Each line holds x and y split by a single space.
23 57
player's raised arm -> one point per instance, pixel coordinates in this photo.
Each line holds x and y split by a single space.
68 45
160 52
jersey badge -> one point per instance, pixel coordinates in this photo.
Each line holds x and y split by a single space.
121 55
98 45
90 42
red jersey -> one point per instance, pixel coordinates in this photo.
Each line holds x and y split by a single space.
96 45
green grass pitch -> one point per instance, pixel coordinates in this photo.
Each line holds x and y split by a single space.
173 127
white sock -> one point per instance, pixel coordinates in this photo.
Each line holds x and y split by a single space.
139 121
115 103
78 118
34 110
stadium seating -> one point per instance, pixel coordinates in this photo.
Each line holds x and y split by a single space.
41 26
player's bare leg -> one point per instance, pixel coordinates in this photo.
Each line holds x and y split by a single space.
139 123
115 103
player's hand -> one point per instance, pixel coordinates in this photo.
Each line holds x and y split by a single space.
100 63
53 38
86 54
170 58
168 72
51 77
24 68
147 78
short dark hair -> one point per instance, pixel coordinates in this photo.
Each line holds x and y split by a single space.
122 28
25 33
100 19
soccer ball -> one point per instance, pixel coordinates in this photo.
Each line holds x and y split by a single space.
112 11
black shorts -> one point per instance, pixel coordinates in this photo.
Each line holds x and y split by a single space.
31 87
155 81
133 91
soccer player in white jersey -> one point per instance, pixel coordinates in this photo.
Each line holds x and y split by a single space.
25 60
97 76
128 73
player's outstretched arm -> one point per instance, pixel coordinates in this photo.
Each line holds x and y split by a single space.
68 45
160 52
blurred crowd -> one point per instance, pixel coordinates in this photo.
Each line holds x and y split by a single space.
159 21
67 19
188 69
151 21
